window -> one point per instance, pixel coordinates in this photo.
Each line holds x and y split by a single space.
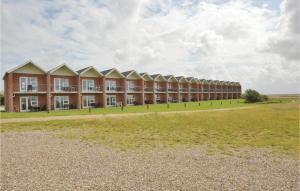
88 85
111 85
130 85
130 99
111 100
88 101
28 84
157 98
61 84
61 102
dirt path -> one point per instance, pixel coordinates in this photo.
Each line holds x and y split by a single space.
39 161
97 116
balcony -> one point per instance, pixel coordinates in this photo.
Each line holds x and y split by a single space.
65 89
159 89
114 89
148 89
172 90
40 88
205 90
95 89
134 89
193 90
183 89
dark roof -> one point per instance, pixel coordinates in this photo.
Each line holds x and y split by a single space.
189 78
168 76
179 77
142 74
104 72
127 73
155 75
79 71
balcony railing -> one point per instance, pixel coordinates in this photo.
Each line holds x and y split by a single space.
134 89
193 90
183 89
172 90
92 89
31 88
205 90
160 89
114 89
148 89
70 88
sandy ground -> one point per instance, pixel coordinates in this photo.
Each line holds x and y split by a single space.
95 116
39 161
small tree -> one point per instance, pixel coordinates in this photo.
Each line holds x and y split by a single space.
252 96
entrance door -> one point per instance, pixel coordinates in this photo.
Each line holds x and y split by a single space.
111 100
27 102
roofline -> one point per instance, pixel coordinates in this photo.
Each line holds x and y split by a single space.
158 76
131 71
60 66
171 76
114 69
87 69
145 73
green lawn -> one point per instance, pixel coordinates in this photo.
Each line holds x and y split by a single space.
133 109
270 125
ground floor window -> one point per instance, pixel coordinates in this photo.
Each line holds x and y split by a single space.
88 101
157 98
28 103
130 99
111 100
61 102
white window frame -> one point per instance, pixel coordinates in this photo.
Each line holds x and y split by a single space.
108 98
63 99
28 99
88 85
33 81
130 99
62 83
90 99
157 97
111 85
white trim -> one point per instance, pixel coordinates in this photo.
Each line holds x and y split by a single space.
28 62
89 68
114 69
27 99
112 96
60 66
63 102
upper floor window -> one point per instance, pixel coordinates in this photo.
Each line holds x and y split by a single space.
61 84
28 84
111 85
130 85
88 85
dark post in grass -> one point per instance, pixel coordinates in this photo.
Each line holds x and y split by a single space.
199 104
168 105
221 103
90 110
48 110
230 101
122 107
210 103
147 106
184 104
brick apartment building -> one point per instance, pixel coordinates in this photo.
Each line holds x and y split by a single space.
29 88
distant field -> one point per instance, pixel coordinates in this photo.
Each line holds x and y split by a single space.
270 125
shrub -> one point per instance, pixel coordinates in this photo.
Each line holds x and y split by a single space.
252 96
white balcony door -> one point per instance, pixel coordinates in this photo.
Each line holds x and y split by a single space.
111 85
26 102
60 84
28 84
61 102
88 101
88 85
130 99
111 100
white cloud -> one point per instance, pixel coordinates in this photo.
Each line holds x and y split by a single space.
235 40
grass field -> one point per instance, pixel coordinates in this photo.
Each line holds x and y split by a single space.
270 125
203 105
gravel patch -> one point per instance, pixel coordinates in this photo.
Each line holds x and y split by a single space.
38 161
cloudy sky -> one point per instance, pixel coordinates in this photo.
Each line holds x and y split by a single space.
253 42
